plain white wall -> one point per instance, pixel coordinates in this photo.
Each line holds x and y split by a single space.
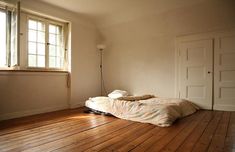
140 56
24 93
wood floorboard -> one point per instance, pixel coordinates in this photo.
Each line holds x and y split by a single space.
76 138
102 134
40 144
75 131
163 133
119 141
160 144
206 137
218 139
35 121
132 145
229 145
191 140
115 139
182 135
52 135
46 130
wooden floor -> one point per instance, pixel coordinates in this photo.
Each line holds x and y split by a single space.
73 130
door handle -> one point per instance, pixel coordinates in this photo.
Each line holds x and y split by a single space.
209 72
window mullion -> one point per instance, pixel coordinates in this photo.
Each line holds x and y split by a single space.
47 44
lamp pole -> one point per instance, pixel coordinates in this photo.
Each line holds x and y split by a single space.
101 48
101 72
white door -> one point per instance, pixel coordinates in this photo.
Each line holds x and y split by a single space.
224 77
195 72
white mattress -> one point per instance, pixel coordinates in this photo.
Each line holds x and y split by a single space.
99 103
158 111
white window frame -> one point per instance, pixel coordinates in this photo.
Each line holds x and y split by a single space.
6 8
47 22
5 66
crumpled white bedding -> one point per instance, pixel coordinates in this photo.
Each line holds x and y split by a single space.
158 111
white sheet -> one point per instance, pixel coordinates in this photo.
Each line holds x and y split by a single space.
158 111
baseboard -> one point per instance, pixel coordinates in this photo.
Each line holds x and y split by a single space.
203 106
77 105
224 107
31 112
206 107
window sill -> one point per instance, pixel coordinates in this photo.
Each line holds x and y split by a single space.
33 70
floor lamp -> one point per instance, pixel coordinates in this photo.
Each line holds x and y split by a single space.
101 48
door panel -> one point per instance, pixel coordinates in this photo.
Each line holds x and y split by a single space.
224 77
195 72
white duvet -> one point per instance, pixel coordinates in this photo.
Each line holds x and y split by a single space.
158 111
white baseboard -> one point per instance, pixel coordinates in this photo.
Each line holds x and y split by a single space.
203 106
77 105
206 107
31 112
224 107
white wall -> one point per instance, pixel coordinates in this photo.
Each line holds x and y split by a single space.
140 57
24 93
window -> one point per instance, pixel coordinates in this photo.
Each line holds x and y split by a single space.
30 41
45 44
3 49
8 51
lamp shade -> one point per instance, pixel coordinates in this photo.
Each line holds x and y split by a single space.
101 46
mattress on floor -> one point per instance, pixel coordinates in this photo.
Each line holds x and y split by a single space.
158 111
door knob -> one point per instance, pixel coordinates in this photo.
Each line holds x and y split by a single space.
209 72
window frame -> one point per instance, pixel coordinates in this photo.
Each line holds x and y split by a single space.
5 66
11 11
47 22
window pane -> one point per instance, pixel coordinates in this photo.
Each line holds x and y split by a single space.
52 62
52 50
52 29
41 26
32 24
61 62
32 60
41 37
32 48
32 36
58 51
58 62
58 40
52 38
41 61
41 49
3 39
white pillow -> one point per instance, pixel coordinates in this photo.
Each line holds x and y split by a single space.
117 94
